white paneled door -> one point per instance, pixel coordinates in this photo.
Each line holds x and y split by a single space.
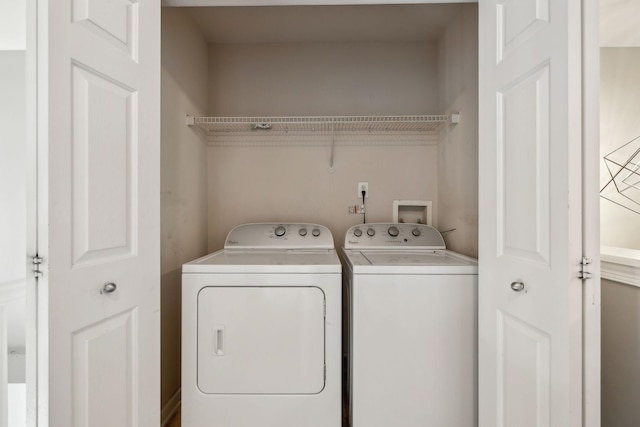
98 67
530 319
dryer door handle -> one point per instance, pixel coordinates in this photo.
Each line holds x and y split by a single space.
218 340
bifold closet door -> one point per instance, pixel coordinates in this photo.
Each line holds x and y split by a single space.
98 66
530 292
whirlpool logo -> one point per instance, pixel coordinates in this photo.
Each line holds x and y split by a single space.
232 242
354 242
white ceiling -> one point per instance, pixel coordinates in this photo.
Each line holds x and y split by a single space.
325 24
620 23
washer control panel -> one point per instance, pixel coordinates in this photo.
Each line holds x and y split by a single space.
279 236
393 235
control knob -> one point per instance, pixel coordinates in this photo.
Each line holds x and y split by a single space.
393 231
302 232
280 231
357 232
315 232
415 232
371 232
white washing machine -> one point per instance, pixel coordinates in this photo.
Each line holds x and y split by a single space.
261 330
412 328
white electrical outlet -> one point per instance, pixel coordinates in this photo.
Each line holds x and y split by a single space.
356 209
363 186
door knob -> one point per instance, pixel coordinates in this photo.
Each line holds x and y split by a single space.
108 288
517 286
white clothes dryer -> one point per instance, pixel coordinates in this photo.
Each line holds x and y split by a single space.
412 328
261 330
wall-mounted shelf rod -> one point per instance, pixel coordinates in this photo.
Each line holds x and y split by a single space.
416 123
321 130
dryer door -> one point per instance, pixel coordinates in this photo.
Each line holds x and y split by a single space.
261 340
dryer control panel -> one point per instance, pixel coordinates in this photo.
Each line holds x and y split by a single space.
393 235
279 236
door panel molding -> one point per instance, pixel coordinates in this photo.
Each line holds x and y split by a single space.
515 25
105 358
105 172
523 360
523 150
116 22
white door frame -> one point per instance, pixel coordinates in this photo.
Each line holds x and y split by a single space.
591 211
33 316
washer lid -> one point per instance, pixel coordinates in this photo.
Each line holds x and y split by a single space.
409 262
393 235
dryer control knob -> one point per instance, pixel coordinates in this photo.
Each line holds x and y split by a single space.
302 232
315 232
415 232
393 231
371 232
357 232
280 231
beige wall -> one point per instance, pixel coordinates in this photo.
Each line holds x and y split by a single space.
619 110
183 175
620 354
300 79
253 184
281 184
458 145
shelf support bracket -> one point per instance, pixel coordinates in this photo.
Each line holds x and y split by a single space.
333 143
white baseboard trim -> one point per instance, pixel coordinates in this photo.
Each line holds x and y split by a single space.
170 408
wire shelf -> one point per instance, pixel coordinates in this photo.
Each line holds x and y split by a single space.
355 130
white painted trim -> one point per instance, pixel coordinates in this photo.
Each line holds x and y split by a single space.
170 408
591 300
621 265
31 167
38 12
